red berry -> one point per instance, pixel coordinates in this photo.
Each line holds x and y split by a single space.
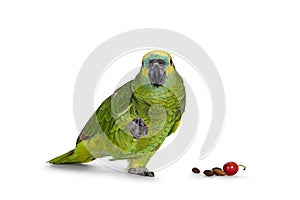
231 168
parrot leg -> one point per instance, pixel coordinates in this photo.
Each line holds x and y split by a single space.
137 165
137 128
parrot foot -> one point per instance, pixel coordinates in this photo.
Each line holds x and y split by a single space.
142 171
137 128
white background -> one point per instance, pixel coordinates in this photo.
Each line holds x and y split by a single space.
254 44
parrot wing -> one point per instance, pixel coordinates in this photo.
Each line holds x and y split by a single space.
106 118
96 134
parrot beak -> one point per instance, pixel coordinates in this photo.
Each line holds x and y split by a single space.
157 74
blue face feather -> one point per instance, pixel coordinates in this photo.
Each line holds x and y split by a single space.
156 56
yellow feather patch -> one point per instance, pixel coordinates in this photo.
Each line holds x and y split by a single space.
144 71
157 52
170 69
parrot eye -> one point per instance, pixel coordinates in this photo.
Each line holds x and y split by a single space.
171 62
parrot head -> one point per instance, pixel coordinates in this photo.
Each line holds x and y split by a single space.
157 66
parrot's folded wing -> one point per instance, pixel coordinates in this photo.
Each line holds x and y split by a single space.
105 116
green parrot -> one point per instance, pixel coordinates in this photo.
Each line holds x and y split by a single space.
135 120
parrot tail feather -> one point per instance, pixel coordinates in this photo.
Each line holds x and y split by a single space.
61 159
72 157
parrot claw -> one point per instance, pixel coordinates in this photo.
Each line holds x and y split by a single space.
142 171
137 128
